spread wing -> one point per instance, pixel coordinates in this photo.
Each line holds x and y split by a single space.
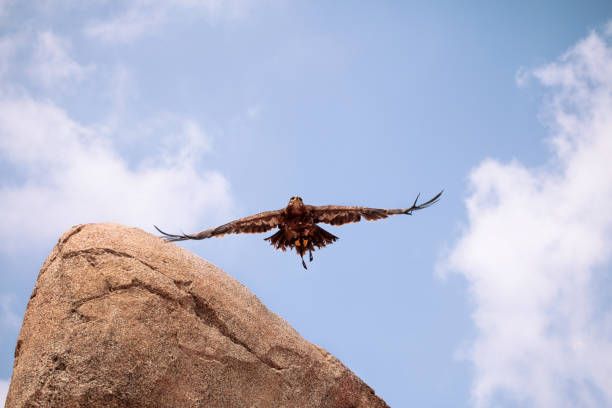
338 215
261 222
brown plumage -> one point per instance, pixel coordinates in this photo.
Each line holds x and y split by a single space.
297 224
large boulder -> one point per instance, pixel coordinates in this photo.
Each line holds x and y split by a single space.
120 318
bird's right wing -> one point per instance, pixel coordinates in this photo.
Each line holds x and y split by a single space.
257 223
338 215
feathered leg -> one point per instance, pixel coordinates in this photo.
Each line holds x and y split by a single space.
303 263
310 253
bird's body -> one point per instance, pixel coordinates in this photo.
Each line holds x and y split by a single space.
297 224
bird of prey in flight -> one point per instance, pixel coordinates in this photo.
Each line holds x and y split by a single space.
297 224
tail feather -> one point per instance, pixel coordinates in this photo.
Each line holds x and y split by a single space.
279 241
316 240
321 238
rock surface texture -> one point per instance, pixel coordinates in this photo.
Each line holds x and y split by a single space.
120 318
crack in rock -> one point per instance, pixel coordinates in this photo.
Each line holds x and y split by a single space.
210 317
60 247
104 251
200 308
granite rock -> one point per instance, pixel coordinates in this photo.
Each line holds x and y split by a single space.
120 318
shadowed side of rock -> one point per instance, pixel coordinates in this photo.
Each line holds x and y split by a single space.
119 318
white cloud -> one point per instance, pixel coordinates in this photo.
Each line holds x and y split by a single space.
72 174
142 17
537 246
4 386
51 63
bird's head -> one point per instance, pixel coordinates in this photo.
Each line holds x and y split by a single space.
296 200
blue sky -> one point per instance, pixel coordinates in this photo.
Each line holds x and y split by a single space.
186 114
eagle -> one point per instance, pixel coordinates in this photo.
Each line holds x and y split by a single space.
297 224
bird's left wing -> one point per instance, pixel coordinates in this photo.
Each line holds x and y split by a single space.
261 222
338 215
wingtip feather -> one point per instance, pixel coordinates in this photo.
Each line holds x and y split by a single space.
171 237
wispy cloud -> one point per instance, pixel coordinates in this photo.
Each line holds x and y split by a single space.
73 174
8 48
136 21
142 17
51 62
537 245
